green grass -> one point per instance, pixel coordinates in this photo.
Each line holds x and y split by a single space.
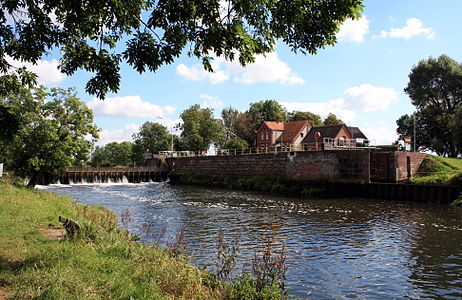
103 263
436 170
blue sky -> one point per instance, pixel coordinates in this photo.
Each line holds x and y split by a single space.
361 79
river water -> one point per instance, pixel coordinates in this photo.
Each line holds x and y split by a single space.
336 248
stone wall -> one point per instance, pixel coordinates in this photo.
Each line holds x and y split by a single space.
338 166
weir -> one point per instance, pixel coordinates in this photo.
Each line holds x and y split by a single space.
106 175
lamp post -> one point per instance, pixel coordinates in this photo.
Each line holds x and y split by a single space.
171 133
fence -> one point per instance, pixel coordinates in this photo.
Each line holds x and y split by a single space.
326 144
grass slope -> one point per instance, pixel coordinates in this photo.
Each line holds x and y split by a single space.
440 171
103 263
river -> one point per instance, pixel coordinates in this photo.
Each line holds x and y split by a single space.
336 248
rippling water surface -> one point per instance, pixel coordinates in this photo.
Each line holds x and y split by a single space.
336 248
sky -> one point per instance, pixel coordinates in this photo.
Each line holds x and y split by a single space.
360 79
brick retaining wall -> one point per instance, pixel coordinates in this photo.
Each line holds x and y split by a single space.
338 166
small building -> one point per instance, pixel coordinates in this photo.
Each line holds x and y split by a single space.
335 135
282 133
359 137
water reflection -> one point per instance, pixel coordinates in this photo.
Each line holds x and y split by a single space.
339 248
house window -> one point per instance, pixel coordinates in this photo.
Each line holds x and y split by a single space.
266 135
262 136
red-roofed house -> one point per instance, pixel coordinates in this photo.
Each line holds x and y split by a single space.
282 133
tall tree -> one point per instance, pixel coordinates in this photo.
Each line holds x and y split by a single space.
119 154
456 128
332 119
245 128
229 117
90 33
53 133
100 157
435 89
152 137
200 129
306 115
268 110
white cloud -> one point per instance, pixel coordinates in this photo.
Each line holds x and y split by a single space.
381 135
197 73
363 98
336 106
210 101
353 30
414 27
46 70
267 68
367 97
128 106
119 135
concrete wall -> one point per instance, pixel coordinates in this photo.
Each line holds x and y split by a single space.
338 166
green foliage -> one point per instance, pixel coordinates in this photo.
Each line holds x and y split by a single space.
406 129
458 201
235 144
306 115
52 135
200 129
268 110
435 90
455 126
438 170
229 117
113 154
332 119
102 263
244 128
152 137
91 37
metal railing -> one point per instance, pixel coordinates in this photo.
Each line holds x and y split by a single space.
327 144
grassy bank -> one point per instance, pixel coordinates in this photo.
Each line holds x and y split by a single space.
103 263
436 170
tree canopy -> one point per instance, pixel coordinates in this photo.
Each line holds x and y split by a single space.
113 154
332 119
153 137
306 115
55 131
435 89
267 110
200 129
98 35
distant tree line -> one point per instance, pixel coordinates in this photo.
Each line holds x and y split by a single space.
200 129
435 89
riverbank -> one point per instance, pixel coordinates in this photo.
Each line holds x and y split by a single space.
103 262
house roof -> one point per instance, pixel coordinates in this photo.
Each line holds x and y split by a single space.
356 133
292 131
274 125
327 131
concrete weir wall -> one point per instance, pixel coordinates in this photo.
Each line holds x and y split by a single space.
346 166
